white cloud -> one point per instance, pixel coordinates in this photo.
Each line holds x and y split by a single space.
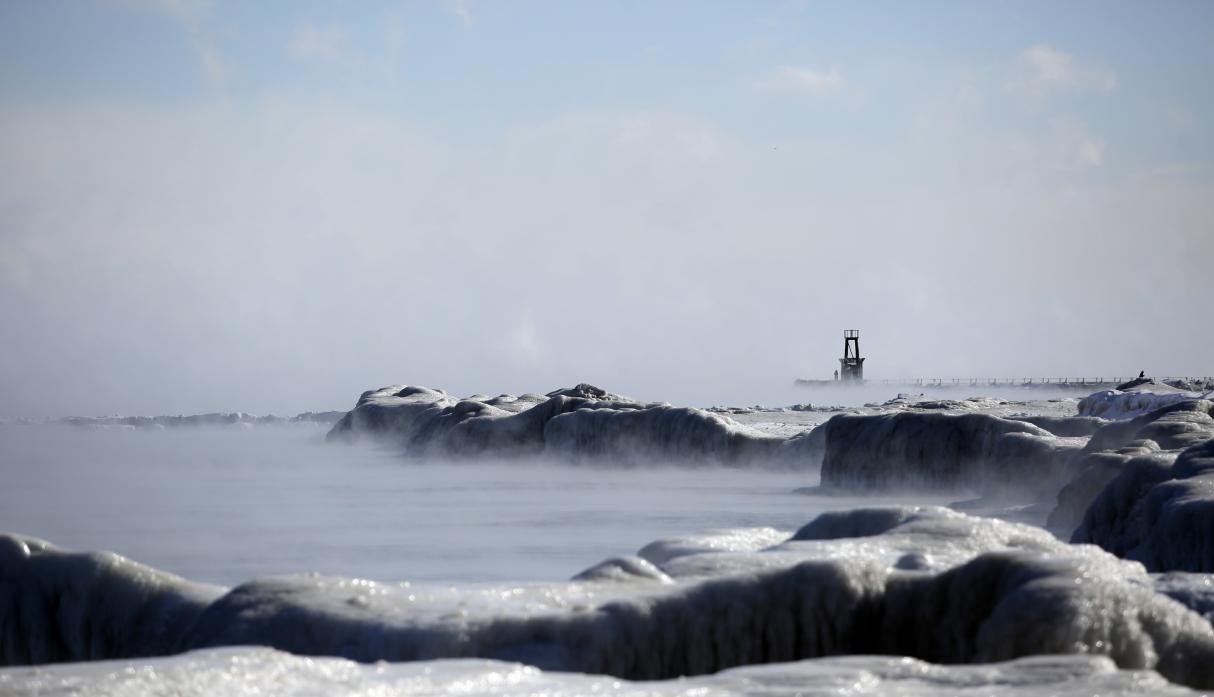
312 42
1091 152
460 9
1074 146
333 44
192 15
1040 69
791 78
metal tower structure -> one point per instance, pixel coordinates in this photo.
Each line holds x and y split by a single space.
851 365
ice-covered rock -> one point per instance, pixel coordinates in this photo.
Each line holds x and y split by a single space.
860 522
1173 426
918 450
937 538
624 569
905 441
916 583
1193 590
1139 400
1158 507
579 422
1065 426
656 431
1199 385
1094 471
662 552
808 447
587 391
56 606
259 670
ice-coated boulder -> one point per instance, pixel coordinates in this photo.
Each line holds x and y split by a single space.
624 569
808 447
579 422
260 670
1136 400
57 606
1157 506
997 592
1065 426
1094 471
1193 590
924 450
1147 442
661 431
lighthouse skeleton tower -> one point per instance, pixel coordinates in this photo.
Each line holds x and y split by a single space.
851 365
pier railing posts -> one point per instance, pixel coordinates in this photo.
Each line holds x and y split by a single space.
1022 382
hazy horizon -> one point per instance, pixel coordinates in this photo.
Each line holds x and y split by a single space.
215 206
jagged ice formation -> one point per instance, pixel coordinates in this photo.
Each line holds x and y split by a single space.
928 583
581 422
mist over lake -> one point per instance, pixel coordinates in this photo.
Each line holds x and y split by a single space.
392 349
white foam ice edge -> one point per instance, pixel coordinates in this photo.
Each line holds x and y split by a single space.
928 583
245 670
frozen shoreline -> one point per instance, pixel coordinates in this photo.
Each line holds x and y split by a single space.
925 582
232 670
941 585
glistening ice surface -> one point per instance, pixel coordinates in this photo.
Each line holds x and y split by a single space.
225 506
250 671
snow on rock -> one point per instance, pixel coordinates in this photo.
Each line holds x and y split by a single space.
930 538
579 422
928 583
1137 400
655 431
861 522
588 391
808 447
1159 506
917 450
1146 443
1094 471
661 552
56 606
952 443
1065 426
249 670
624 569
922 537
1194 591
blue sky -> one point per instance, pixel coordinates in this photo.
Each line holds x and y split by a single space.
273 206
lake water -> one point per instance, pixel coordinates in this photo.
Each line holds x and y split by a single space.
224 506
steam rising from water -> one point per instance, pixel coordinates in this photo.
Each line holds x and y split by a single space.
225 506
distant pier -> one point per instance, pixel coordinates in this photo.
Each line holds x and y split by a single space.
1085 383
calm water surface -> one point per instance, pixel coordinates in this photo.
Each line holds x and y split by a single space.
224 506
